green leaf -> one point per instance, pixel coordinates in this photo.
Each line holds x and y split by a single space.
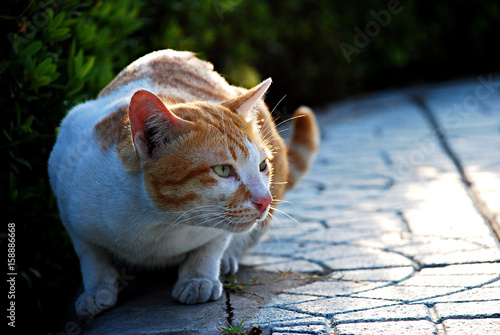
58 28
26 126
58 19
42 68
76 87
86 67
31 49
59 35
71 60
78 61
40 82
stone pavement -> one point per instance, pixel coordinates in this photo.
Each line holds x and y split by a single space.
398 210
391 230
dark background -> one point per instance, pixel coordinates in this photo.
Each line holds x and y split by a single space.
55 54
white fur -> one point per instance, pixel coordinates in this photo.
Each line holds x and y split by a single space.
109 215
107 212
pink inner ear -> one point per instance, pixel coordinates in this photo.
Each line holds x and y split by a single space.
257 93
148 115
143 105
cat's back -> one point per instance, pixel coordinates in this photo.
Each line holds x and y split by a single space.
177 76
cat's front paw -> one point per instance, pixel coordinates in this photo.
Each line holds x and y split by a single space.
91 303
196 290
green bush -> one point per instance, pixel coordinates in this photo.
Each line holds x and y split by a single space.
57 53
48 64
298 43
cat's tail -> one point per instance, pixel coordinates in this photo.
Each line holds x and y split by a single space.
303 145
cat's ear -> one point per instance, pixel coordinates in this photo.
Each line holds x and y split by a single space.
245 103
152 123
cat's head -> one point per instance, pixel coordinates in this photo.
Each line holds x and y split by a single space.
206 162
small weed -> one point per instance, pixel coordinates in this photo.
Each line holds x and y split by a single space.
230 330
236 287
233 284
284 274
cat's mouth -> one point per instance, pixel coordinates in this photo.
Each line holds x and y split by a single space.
243 225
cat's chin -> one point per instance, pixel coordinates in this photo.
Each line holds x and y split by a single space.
241 227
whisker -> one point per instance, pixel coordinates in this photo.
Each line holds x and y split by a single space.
217 216
279 124
195 217
273 217
199 209
203 211
279 182
202 234
268 219
289 216
282 130
280 224
281 201
271 119
290 119
278 103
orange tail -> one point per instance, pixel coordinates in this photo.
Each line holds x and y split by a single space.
303 146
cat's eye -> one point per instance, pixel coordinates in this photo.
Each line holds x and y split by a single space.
224 170
263 165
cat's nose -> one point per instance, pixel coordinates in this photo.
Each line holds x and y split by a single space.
262 203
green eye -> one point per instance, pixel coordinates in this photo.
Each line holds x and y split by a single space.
263 165
223 170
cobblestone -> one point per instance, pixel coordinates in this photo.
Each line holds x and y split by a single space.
472 326
405 198
392 227
414 327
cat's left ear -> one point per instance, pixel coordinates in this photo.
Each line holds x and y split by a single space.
245 103
152 124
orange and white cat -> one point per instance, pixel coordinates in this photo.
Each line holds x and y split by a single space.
171 165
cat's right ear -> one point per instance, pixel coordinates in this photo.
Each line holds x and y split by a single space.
245 103
153 124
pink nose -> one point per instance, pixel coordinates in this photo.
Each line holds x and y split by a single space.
263 203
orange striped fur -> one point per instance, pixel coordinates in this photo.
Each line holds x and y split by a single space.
193 92
164 167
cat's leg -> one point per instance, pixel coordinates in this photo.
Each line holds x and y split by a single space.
238 245
199 273
100 280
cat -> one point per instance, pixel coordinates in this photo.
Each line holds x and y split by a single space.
172 166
